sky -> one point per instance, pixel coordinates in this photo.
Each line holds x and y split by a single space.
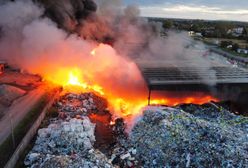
236 10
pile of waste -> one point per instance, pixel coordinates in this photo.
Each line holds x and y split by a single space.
81 136
198 136
66 144
69 139
84 134
76 105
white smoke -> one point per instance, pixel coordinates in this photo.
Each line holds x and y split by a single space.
43 48
36 44
178 50
14 16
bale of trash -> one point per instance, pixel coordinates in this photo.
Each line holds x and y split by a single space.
66 143
171 137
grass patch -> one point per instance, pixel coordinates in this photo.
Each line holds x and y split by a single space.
7 147
241 43
209 42
235 53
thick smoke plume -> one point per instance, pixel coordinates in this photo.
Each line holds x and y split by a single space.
45 37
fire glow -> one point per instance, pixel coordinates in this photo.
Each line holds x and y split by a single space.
73 79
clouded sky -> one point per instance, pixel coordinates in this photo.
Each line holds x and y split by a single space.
194 9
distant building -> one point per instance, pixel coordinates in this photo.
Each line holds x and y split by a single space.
236 31
229 31
198 34
242 51
191 33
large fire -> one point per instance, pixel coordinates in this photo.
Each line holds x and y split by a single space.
73 79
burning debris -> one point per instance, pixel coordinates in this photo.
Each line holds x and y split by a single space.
84 134
80 104
69 139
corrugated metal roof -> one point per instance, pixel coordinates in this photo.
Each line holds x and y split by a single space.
167 75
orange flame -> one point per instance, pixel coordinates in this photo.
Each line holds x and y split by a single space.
112 123
93 52
75 79
191 99
72 81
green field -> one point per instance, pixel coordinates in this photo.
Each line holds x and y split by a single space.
241 43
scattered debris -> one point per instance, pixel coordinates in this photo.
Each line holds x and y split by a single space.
69 139
204 137
85 135
66 144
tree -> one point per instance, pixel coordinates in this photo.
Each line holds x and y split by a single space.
221 29
245 32
167 24
235 47
224 44
195 28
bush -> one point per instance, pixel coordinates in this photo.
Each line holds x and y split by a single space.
224 44
235 47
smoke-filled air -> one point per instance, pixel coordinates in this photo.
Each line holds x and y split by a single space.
95 46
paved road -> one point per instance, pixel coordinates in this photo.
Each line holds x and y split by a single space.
18 110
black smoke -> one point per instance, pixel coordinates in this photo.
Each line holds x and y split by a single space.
68 14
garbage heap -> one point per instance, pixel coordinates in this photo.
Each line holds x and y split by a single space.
68 140
183 136
80 135
191 136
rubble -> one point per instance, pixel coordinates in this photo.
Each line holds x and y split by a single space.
80 104
84 135
64 137
202 137
123 152
90 159
68 140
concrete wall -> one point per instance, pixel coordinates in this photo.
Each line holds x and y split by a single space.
30 134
